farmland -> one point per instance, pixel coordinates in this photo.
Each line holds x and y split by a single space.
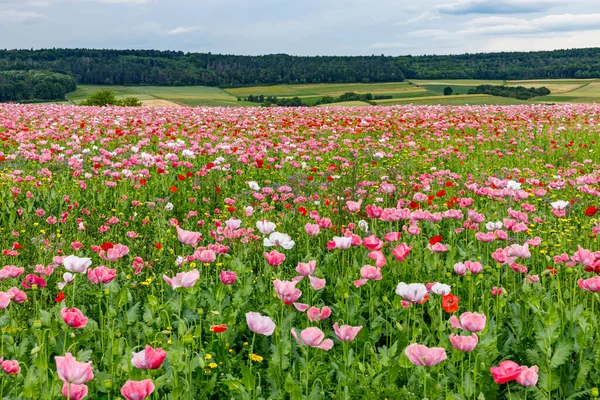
400 252
418 92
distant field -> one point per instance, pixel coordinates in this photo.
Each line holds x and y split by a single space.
474 99
321 89
415 92
184 92
85 91
463 82
345 104
159 103
587 93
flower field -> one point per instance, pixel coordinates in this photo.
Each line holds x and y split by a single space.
354 253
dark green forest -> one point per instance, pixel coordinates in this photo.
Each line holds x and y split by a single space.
34 85
175 68
515 92
152 67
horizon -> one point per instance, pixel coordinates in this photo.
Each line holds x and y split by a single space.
325 28
296 55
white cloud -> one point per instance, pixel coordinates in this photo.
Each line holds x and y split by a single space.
391 45
20 17
429 33
425 16
553 41
549 23
182 29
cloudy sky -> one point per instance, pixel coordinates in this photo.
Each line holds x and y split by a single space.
302 27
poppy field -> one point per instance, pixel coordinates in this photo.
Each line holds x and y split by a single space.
401 252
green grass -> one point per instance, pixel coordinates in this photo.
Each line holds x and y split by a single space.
587 93
456 89
85 91
421 92
177 93
214 103
334 89
458 82
345 104
475 99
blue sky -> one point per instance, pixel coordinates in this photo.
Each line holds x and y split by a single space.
303 27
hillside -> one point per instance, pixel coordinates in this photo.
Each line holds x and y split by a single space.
176 68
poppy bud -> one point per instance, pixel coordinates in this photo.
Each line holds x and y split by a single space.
594 392
37 324
108 384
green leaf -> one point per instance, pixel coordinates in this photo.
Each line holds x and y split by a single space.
84 355
584 369
133 313
561 354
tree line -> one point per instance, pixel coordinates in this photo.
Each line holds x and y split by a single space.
515 92
175 68
268 101
34 85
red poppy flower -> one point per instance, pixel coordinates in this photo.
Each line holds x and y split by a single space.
17 246
217 189
450 303
303 211
310 178
435 239
189 174
218 328
591 211
160 171
210 165
60 297
107 246
173 189
441 193
158 245
181 177
143 182
231 209
413 205
448 184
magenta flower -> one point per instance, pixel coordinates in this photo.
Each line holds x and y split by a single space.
507 371
148 358
114 253
472 322
101 274
401 251
313 337
286 291
314 314
590 284
464 343
183 279
421 355
188 237
260 324
227 277
274 258
317 283
528 376
346 333
73 317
